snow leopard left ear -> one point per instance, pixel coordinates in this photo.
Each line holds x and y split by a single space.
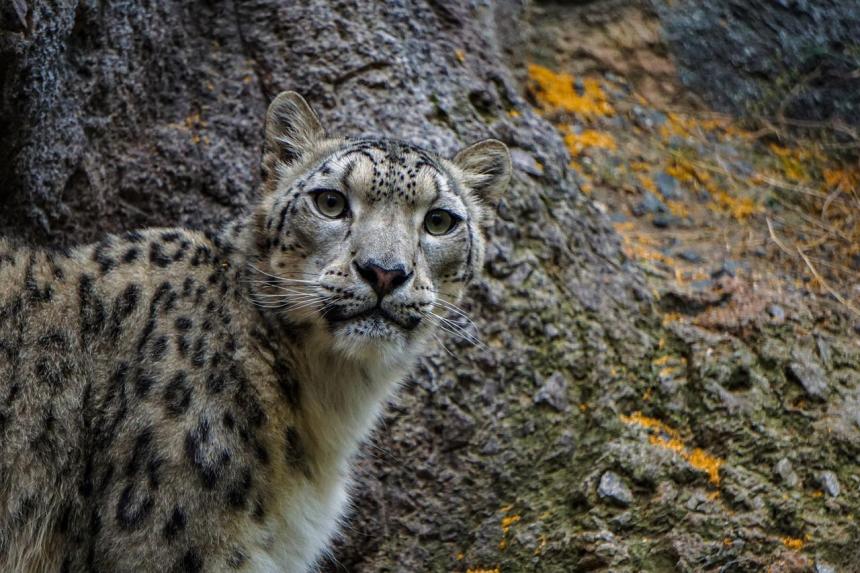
486 167
292 129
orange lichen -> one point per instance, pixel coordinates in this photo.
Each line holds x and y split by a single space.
494 570
578 142
647 183
557 92
739 207
671 440
792 161
678 209
841 179
689 126
793 543
508 521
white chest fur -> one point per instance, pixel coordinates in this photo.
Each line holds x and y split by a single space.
339 406
296 535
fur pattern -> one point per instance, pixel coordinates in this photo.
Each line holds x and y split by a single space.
172 400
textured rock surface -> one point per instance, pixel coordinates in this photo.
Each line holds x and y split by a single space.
797 57
116 115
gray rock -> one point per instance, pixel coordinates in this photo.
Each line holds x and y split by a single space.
806 371
526 163
728 268
668 186
735 52
829 483
824 567
665 220
553 392
649 204
613 489
784 470
776 312
690 256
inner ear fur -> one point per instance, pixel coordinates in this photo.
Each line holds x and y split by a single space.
486 166
292 129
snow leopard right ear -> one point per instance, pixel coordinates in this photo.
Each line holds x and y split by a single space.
292 128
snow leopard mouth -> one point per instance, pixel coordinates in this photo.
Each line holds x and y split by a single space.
336 316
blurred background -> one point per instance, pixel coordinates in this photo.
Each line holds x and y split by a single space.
669 378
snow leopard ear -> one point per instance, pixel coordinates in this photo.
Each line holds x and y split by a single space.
486 166
292 129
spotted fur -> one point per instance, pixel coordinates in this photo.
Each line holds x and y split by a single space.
180 401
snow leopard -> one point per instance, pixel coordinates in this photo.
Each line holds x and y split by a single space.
186 401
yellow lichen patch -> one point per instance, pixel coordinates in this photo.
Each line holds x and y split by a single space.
793 543
678 208
639 419
739 207
494 570
689 126
557 92
577 143
647 183
792 161
460 55
841 179
671 440
508 521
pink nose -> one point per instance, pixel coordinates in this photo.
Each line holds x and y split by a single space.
383 281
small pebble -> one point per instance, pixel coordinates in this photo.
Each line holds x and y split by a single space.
649 204
553 393
829 483
806 371
786 473
668 186
664 221
613 489
690 256
776 312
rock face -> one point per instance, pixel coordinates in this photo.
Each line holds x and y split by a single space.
115 115
796 57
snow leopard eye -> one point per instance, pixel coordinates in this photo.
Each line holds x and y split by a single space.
331 203
440 222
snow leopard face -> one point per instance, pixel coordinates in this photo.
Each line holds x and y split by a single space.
369 241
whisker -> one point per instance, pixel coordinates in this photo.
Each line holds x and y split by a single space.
455 329
450 307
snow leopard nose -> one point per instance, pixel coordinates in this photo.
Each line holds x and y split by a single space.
382 280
